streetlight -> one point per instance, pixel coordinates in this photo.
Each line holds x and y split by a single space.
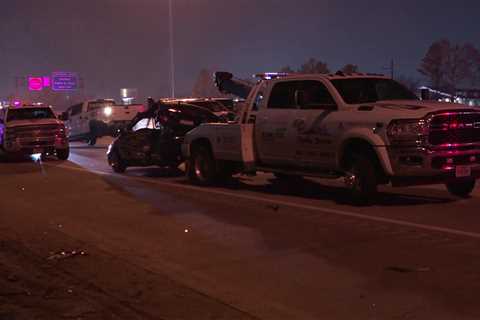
172 58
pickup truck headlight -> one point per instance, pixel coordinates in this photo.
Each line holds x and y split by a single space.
107 111
62 131
406 130
10 134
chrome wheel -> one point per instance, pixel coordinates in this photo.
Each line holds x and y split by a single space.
201 167
350 180
202 170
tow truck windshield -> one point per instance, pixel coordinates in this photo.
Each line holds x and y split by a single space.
29 114
368 90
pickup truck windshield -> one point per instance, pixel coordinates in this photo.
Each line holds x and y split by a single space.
367 90
29 114
100 104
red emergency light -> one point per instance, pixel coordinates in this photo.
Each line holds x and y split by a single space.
35 83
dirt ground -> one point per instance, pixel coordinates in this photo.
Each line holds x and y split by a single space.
81 282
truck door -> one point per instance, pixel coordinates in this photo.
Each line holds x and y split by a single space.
74 120
274 126
314 127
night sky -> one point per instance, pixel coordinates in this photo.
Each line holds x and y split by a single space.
124 43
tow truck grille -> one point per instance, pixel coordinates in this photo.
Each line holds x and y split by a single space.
453 128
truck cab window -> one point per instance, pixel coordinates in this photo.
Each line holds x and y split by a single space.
76 109
315 95
283 95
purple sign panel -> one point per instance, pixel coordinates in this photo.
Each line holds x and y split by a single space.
64 81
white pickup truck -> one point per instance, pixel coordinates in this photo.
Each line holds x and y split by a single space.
368 129
93 119
32 130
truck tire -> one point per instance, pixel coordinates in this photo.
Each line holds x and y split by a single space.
116 162
63 154
461 188
361 180
201 167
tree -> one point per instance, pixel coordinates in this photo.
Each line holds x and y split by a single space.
287 69
314 66
350 68
459 65
433 64
473 55
448 65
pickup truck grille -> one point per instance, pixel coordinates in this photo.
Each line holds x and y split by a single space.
36 131
453 128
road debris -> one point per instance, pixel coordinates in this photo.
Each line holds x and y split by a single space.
66 254
274 207
407 269
12 278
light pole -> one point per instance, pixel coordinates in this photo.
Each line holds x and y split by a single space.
172 52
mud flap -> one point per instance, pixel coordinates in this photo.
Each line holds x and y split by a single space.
248 151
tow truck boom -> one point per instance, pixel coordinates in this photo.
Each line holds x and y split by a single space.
227 84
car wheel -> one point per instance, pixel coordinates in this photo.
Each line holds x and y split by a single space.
92 141
461 188
361 180
116 162
201 167
63 154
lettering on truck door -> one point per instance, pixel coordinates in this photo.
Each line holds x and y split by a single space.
274 131
313 124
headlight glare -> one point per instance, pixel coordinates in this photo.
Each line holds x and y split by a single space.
108 111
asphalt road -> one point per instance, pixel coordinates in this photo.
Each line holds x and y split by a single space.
265 249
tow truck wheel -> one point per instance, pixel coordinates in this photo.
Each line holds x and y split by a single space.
461 188
361 180
201 167
117 164
63 154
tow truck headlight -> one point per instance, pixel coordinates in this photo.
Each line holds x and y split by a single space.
107 111
406 129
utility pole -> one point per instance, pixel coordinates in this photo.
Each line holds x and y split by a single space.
392 68
172 52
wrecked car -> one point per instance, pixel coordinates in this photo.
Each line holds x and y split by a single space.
154 137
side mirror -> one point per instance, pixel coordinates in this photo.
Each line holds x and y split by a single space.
120 131
299 98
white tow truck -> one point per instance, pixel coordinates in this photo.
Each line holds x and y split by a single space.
366 128
89 120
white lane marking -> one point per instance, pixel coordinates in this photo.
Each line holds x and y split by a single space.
289 204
